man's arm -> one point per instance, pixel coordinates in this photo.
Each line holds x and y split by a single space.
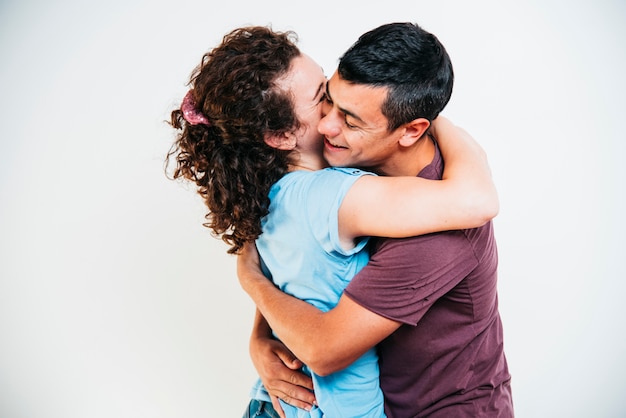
324 341
405 206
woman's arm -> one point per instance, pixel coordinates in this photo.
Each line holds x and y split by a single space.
396 207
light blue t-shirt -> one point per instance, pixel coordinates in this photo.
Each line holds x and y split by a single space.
301 252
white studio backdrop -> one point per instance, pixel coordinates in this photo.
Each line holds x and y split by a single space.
116 302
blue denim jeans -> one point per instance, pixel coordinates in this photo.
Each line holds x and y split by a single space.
260 409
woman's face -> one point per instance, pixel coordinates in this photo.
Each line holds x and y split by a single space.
307 83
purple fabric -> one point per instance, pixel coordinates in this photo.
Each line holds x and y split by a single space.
447 359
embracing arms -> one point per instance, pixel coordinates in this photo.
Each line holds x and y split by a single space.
324 341
396 207
327 342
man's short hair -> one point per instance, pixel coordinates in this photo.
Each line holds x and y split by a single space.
410 62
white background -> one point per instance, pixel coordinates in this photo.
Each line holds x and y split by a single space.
116 302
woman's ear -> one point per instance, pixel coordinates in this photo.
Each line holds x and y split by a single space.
285 141
414 130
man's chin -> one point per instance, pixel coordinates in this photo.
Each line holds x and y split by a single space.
334 157
335 162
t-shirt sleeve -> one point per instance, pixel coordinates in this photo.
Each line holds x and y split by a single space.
404 277
324 196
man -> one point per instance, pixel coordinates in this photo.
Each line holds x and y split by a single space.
429 303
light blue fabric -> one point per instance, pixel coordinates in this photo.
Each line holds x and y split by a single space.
300 247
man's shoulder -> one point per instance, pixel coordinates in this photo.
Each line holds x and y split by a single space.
434 170
426 252
410 244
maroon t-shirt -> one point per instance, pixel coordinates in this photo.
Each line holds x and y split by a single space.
447 358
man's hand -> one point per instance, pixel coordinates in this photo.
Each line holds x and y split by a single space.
279 371
277 366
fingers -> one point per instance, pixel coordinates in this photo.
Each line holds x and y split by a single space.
289 359
295 377
300 379
277 406
295 400
280 373
293 394
294 388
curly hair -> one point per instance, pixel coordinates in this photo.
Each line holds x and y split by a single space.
228 160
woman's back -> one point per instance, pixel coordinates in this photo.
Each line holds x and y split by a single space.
300 246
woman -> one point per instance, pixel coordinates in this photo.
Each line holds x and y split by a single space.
249 141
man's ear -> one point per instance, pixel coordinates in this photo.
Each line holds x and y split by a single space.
285 141
413 131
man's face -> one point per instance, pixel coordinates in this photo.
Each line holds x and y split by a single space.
354 127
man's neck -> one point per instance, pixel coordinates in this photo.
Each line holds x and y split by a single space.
410 161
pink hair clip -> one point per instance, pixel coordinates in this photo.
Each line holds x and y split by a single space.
191 114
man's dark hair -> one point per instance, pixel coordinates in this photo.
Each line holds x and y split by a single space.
408 60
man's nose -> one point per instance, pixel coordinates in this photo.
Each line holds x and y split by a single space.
328 125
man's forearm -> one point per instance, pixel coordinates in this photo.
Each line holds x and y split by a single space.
324 341
296 323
